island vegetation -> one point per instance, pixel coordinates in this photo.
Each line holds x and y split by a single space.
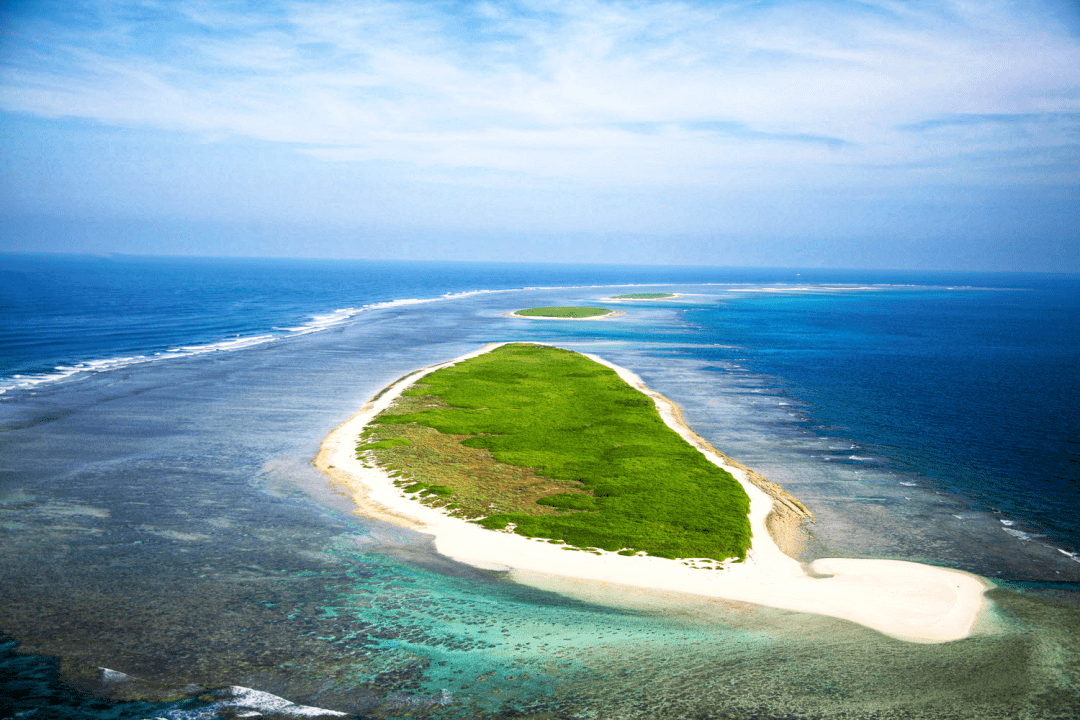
563 312
547 443
644 296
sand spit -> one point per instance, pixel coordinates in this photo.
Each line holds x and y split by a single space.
906 600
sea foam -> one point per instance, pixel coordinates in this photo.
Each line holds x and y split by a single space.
317 323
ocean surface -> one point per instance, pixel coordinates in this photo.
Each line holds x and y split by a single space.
168 550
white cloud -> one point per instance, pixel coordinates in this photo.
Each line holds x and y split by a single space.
551 91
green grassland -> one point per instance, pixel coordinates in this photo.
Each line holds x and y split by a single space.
644 296
550 444
563 312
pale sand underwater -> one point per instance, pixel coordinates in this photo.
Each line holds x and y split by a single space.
905 600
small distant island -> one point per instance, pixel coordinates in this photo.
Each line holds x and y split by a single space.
644 296
567 313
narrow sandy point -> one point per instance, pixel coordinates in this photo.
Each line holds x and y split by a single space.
905 600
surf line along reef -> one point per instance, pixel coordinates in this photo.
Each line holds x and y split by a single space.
539 461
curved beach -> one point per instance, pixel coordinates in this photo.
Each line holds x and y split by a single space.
905 600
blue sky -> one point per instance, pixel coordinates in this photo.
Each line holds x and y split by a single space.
936 135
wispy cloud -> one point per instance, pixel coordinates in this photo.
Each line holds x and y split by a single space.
589 91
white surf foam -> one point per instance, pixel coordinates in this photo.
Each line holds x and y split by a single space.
317 323
1020 534
243 702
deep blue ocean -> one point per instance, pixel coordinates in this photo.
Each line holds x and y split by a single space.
161 517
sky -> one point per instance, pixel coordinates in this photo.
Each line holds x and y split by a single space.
932 134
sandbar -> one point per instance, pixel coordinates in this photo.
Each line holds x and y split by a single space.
905 600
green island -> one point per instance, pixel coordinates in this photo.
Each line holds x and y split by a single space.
563 312
644 296
547 443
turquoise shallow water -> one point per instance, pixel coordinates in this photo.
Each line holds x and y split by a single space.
161 518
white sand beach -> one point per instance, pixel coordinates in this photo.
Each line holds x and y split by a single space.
905 600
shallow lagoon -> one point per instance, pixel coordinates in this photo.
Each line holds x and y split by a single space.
164 520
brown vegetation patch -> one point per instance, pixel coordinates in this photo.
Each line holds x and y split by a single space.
480 485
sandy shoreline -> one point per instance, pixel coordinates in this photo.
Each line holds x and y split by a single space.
905 600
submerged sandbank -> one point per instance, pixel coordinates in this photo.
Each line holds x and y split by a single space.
906 600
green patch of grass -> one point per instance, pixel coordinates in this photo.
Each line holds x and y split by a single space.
563 312
428 489
644 296
559 447
569 501
382 444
